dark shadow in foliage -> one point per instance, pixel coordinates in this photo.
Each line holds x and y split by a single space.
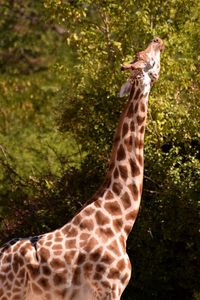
164 244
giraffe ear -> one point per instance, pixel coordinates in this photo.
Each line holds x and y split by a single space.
125 89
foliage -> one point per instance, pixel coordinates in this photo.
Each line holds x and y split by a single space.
61 63
33 153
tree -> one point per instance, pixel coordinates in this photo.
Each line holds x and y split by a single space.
32 151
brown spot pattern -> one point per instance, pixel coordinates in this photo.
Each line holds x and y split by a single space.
117 139
15 247
69 255
58 239
88 211
127 229
97 203
48 244
105 233
137 94
113 208
117 187
21 273
140 159
57 247
61 293
136 107
132 215
22 250
36 289
44 254
135 171
114 273
56 263
125 278
116 173
59 278
109 195
129 143
100 268
134 190
142 107
140 120
72 232
71 243
6 268
57 252
88 267
105 284
121 264
117 224
132 126
90 245
15 267
97 276
101 218
121 153
87 224
46 270
142 129
139 143
111 166
113 246
65 229
81 258
84 236
125 129
34 270
123 172
76 278
122 242
58 234
126 200
77 220
130 111
44 283
95 255
107 258
11 277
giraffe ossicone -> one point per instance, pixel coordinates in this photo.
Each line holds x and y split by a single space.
86 258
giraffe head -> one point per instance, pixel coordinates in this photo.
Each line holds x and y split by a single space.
147 61
157 44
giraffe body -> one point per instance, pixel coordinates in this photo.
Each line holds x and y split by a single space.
86 258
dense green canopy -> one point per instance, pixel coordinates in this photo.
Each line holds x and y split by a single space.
59 105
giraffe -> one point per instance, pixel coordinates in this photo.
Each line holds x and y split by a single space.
86 258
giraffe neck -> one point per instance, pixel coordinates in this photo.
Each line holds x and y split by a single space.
123 185
115 205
